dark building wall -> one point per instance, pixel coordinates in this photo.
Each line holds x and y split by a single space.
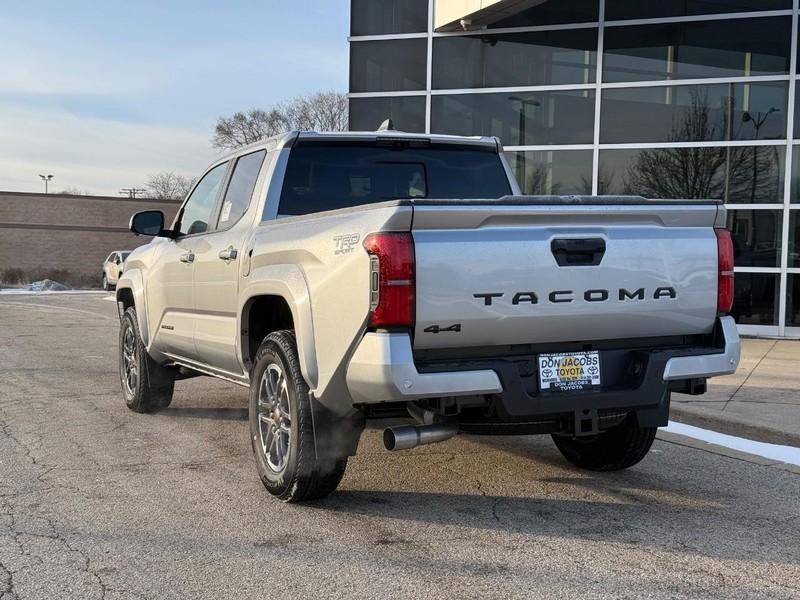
54 232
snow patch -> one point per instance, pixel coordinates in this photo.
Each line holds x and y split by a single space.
785 454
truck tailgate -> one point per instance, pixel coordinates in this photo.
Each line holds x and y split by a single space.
514 272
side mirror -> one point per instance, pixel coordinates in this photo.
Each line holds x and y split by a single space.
148 222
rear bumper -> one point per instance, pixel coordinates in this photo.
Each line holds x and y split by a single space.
383 370
709 365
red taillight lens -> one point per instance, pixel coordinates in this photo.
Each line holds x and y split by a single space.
725 258
391 279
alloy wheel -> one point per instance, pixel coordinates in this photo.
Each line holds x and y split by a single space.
274 417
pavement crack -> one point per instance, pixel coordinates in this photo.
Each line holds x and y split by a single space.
753 370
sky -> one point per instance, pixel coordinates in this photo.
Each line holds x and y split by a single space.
103 94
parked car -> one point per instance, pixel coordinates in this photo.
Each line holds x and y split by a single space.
346 277
112 268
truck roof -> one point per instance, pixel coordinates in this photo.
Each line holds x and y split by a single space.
287 140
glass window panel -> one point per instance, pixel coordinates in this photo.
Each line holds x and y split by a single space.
724 48
744 174
328 176
518 118
636 9
240 189
388 65
797 114
406 112
794 194
794 240
199 206
755 298
553 172
756 237
793 301
553 12
380 17
689 113
515 59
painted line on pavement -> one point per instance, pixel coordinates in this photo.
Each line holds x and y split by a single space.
785 454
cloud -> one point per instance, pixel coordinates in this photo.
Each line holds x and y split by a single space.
95 154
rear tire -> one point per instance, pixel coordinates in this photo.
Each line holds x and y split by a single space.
146 386
618 448
282 429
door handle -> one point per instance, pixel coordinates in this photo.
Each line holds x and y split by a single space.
230 253
188 257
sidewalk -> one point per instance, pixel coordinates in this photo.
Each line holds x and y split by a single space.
761 401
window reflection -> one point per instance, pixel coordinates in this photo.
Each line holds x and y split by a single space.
388 65
515 59
636 9
755 298
522 118
379 17
742 174
793 301
725 48
794 239
406 112
730 111
756 237
553 172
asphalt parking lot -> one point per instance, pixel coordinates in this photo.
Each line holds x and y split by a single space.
96 501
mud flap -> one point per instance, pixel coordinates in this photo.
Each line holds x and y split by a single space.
335 436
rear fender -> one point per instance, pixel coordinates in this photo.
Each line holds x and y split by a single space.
288 282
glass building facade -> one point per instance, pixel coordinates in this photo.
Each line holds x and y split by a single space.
668 99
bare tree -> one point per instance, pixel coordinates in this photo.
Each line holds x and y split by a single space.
323 111
245 128
733 174
169 186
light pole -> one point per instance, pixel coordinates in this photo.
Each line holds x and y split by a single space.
757 121
47 179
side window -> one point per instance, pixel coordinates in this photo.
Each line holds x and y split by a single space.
198 208
240 189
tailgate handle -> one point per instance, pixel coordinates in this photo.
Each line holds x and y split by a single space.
572 252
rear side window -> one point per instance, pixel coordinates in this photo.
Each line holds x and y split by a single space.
322 177
240 189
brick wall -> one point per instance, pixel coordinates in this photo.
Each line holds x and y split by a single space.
77 233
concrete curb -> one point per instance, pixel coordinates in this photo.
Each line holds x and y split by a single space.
732 426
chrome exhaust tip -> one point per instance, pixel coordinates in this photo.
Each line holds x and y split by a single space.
406 437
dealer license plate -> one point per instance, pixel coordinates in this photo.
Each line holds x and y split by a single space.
569 372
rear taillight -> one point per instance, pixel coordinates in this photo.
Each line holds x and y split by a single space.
391 279
725 269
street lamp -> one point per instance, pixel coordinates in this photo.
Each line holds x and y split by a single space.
758 120
47 179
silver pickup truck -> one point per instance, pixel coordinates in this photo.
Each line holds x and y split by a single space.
355 276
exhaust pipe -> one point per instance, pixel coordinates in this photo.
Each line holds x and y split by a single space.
403 438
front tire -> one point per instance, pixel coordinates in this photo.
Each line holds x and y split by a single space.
146 386
104 283
618 448
282 429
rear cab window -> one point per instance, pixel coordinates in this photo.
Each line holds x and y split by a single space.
329 175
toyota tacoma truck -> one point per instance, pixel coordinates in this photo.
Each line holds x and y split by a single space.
349 277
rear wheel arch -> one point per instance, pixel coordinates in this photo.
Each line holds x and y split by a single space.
263 314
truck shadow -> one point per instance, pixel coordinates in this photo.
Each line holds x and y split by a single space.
675 507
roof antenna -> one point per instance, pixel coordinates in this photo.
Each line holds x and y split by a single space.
387 125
